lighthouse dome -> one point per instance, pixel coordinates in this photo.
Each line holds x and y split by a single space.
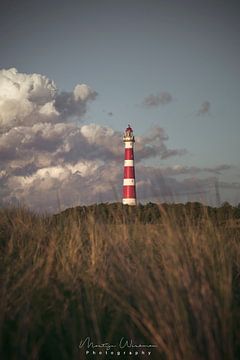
129 129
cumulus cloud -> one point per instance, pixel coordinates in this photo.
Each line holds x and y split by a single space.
70 104
27 99
204 108
159 99
23 96
81 163
78 184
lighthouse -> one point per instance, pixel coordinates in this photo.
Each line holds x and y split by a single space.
129 189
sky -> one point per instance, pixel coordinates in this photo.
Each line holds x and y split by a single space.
74 74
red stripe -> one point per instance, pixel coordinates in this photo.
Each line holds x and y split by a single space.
129 154
129 172
129 191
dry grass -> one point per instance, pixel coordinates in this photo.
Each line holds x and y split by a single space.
165 284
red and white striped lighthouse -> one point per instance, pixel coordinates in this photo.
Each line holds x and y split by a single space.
129 189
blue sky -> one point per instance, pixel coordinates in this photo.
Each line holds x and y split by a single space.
128 50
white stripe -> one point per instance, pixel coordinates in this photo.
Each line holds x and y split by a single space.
128 144
128 182
128 163
130 201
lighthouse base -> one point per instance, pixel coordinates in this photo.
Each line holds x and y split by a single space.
129 201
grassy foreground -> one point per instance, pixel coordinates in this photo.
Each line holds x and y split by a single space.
174 284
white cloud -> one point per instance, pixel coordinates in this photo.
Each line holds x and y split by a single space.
26 99
83 92
49 109
22 95
95 133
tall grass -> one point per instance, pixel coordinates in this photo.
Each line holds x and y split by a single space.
171 284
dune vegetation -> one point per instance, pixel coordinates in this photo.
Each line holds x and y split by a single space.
151 274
